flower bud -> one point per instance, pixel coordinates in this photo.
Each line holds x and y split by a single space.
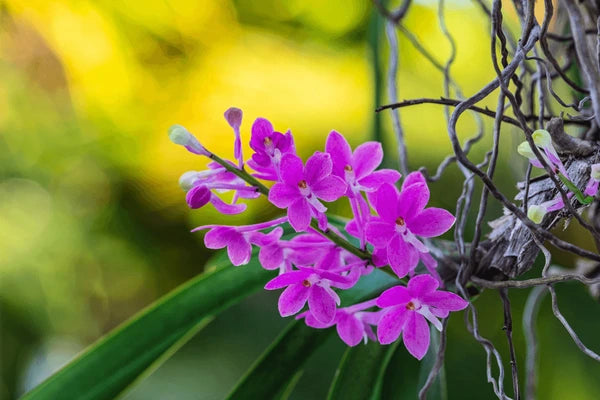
536 213
186 181
525 150
234 117
595 173
541 138
179 135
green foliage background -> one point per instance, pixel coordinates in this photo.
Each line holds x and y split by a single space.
93 226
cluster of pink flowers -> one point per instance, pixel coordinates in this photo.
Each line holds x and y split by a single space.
312 267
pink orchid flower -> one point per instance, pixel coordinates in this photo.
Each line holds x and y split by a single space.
403 217
407 310
301 189
269 147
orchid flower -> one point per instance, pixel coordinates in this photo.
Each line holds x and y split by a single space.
301 189
269 147
407 310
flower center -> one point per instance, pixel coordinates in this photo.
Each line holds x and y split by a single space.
306 283
268 141
410 305
348 168
302 184
400 221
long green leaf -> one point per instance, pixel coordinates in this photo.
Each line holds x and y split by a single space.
272 372
437 390
361 371
113 363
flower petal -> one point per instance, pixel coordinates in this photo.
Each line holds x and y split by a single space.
422 285
318 166
412 178
373 181
416 335
412 200
239 250
282 195
396 296
340 152
391 324
379 233
225 208
261 129
329 188
366 158
293 299
271 256
445 301
321 304
299 215
350 329
431 222
219 237
403 257
197 196
387 199
289 278
292 170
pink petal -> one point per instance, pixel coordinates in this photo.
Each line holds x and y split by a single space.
293 299
219 237
387 199
398 295
380 257
366 158
412 200
198 196
340 152
379 233
261 128
321 304
225 208
313 322
318 166
291 169
329 188
234 117
403 257
282 194
289 278
412 178
445 301
431 222
416 335
299 215
271 256
239 250
350 329
378 178
391 324
422 285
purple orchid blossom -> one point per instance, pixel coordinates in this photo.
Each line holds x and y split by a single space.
591 189
407 310
358 171
313 286
301 189
353 324
269 147
403 217
239 239
543 140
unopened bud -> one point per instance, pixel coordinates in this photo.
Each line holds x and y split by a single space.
234 117
186 181
541 138
179 135
595 173
525 150
536 213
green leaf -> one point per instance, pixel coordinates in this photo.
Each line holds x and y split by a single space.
361 371
437 390
133 350
575 190
271 373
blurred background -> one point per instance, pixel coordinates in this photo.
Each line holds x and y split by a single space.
93 225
